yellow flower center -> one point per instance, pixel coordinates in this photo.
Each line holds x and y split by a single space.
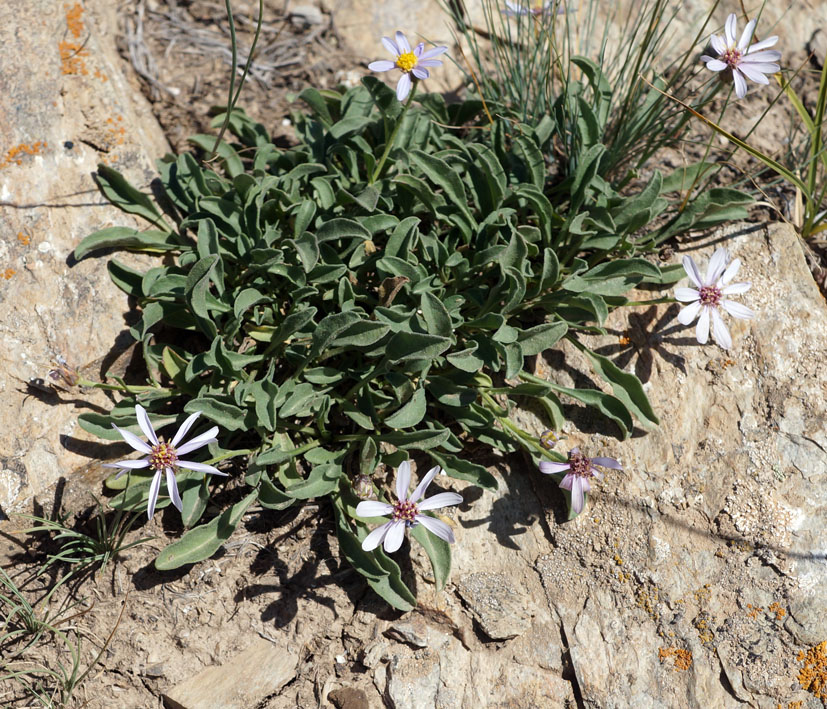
406 61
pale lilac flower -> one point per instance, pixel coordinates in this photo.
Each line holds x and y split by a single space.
580 469
162 457
406 512
710 296
514 9
409 62
745 61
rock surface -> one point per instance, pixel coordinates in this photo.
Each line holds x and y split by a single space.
694 577
56 123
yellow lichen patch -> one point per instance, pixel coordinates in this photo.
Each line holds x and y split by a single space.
23 238
778 610
618 560
14 156
8 273
813 676
682 658
701 624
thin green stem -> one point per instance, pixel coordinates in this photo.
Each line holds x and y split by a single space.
389 144
129 388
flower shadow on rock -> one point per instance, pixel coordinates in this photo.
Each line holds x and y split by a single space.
646 337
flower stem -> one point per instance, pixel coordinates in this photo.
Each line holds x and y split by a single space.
392 139
654 301
131 389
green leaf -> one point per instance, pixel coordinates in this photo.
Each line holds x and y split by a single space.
121 194
323 480
466 359
438 551
223 413
410 414
119 237
608 405
246 299
419 440
129 280
271 498
441 173
464 470
195 494
541 337
625 386
202 542
405 346
436 316
198 283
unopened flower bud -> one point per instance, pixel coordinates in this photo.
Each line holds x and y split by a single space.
549 439
363 487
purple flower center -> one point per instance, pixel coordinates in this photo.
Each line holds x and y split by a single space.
731 57
710 295
405 511
406 61
163 456
580 465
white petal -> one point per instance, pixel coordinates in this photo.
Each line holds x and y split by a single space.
434 52
144 423
131 464
549 468
403 480
438 527
577 495
753 74
429 62
419 492
715 64
403 87
730 28
390 45
746 36
133 440
375 538
172 488
720 330
607 463
420 73
402 43
767 56
687 295
199 441
762 67
763 44
381 65
692 270
740 83
716 266
154 486
736 288
373 508
418 49
736 310
730 272
596 473
717 43
567 481
689 313
442 499
200 467
185 427
702 328
394 537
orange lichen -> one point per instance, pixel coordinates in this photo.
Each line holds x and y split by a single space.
813 676
23 238
8 273
753 610
72 53
72 58
14 155
778 610
74 19
682 658
624 339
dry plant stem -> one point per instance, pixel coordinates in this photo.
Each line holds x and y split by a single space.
231 100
